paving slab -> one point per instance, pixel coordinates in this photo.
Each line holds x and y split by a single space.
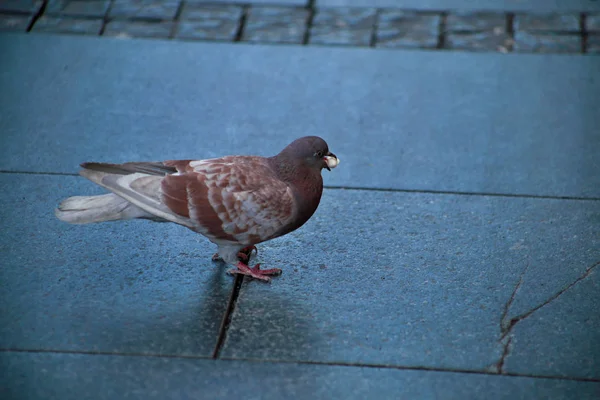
300 3
561 338
448 121
510 5
116 288
416 280
75 376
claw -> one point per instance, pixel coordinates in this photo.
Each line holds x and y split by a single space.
255 272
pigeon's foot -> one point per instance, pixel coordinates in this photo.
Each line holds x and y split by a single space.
243 255
255 272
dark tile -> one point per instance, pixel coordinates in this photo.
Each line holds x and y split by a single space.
275 24
21 6
547 22
17 23
68 25
479 41
592 23
257 2
343 26
122 287
436 120
469 5
562 337
154 9
208 22
476 22
81 8
593 43
407 29
547 43
126 29
210 29
200 11
75 376
405 280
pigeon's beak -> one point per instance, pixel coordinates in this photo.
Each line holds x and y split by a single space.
331 161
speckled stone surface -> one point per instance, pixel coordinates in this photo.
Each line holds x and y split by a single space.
21 6
593 43
66 377
469 5
140 29
407 29
275 25
486 136
533 42
479 41
80 26
134 287
562 338
406 282
339 26
80 8
413 280
151 9
476 22
14 23
547 22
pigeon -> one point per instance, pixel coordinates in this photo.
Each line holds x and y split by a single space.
235 201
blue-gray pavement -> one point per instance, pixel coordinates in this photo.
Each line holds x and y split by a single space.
444 268
470 5
126 287
77 376
420 286
485 123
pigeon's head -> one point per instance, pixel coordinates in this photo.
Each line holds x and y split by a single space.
313 152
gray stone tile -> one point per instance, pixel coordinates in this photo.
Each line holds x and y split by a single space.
152 9
413 280
343 26
208 22
275 24
74 376
68 25
547 22
479 41
407 29
80 8
257 2
460 127
592 23
468 5
593 43
200 11
210 29
17 23
561 338
141 29
547 43
119 288
476 22
22 6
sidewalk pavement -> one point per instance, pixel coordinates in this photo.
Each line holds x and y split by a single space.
455 253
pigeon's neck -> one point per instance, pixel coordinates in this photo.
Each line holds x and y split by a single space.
306 184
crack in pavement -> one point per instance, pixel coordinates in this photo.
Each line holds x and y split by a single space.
507 325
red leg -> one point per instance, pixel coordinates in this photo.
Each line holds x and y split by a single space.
255 272
243 255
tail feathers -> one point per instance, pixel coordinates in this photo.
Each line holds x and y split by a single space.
106 207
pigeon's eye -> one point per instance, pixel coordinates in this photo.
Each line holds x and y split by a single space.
319 154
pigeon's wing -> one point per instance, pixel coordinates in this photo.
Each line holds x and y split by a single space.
139 184
231 199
